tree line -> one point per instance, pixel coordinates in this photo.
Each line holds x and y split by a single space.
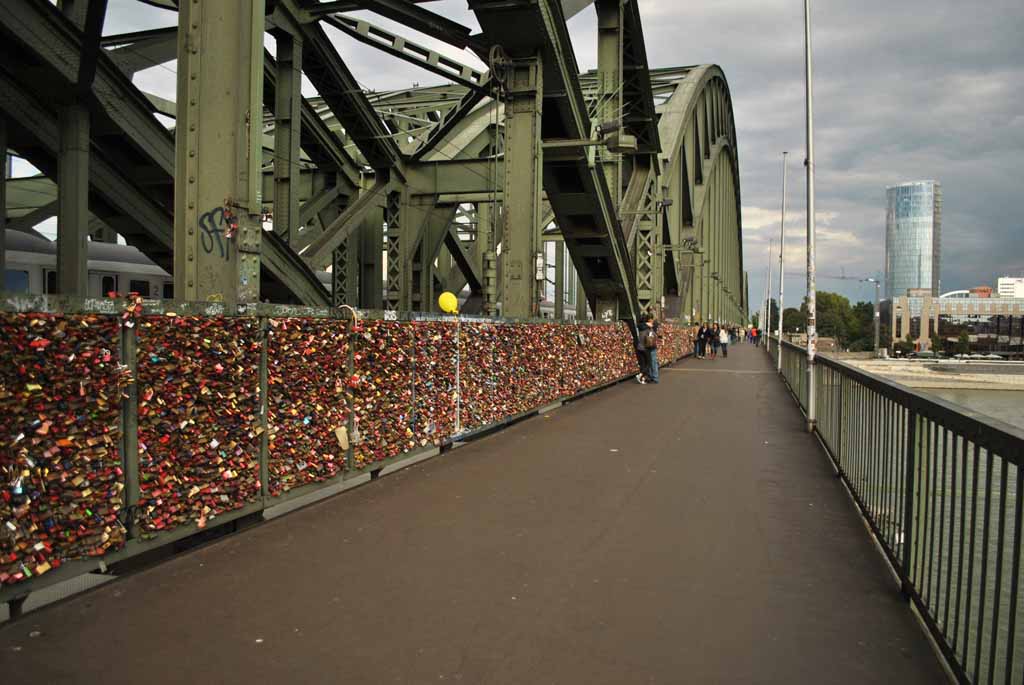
852 325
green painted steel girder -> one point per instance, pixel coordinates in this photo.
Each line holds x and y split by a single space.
394 171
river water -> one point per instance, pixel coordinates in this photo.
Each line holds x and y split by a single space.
1005 405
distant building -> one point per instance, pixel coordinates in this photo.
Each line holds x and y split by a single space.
982 291
1009 286
993 324
913 237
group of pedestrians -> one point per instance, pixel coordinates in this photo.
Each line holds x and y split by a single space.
713 338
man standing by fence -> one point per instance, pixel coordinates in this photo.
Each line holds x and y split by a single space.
647 349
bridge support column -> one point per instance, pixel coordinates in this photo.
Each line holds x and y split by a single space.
487 240
607 310
582 304
3 197
396 292
559 280
609 74
287 129
433 229
73 201
218 151
522 196
647 250
341 268
371 237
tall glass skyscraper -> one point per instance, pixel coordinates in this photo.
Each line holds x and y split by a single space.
913 237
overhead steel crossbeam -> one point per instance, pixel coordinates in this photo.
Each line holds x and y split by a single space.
318 142
113 197
638 116
343 94
448 122
408 51
577 190
416 18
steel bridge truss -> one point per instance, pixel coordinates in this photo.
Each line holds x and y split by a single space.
527 186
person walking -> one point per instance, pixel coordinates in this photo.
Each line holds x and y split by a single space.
700 342
713 340
723 341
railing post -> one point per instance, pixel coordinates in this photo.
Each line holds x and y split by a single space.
908 500
350 366
130 426
264 333
839 426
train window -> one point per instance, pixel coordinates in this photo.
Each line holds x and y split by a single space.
168 291
140 287
51 282
108 285
15 281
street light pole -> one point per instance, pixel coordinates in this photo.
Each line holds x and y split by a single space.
768 301
782 257
812 329
878 313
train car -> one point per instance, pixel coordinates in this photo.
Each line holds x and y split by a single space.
32 269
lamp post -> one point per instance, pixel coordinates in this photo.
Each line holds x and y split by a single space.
812 330
782 258
768 301
878 313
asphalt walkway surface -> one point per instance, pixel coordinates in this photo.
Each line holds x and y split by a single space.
685 532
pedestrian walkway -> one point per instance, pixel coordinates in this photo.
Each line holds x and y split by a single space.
685 532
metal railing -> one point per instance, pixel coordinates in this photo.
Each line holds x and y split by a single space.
941 488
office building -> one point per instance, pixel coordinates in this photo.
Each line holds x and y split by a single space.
993 324
1009 286
913 237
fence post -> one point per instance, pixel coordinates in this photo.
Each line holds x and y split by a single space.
908 501
350 365
264 333
839 426
130 426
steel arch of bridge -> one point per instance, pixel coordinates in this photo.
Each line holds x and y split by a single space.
489 183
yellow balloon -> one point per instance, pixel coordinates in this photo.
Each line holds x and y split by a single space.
448 303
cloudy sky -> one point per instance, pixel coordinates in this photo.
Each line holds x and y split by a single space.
917 89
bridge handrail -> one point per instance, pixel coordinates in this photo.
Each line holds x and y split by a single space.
942 489
999 435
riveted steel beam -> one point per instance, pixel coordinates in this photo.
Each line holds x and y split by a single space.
342 93
578 191
347 222
408 51
218 151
